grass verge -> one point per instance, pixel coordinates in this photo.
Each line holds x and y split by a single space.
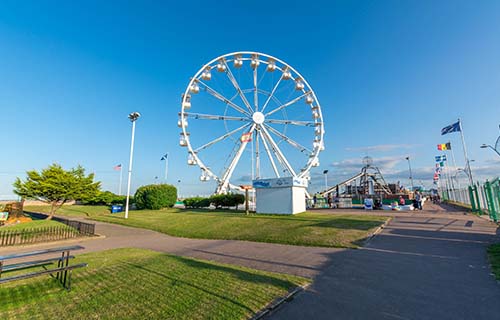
308 229
143 284
36 224
494 257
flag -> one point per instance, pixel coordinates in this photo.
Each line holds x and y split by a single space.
117 167
438 158
451 128
443 158
441 164
246 137
165 157
444 146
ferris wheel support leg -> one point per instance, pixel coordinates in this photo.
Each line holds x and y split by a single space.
229 172
269 154
279 154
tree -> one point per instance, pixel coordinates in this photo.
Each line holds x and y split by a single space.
57 186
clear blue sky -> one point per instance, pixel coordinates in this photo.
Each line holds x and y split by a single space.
389 75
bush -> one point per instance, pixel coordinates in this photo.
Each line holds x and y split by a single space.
107 198
218 200
155 196
197 202
227 200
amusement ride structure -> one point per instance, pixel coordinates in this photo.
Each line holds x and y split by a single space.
367 182
250 115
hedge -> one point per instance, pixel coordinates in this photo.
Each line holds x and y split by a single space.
155 196
107 198
218 200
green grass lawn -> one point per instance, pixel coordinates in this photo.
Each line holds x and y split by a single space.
143 284
494 257
35 224
309 229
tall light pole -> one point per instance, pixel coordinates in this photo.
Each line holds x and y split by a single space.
497 145
488 146
165 158
325 172
411 176
133 117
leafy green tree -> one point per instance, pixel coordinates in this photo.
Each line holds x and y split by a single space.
57 186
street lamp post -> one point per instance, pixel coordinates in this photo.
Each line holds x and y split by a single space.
497 145
411 176
133 117
488 146
325 172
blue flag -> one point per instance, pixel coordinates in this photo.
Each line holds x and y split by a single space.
438 158
451 128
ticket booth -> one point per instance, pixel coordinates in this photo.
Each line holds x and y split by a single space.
280 195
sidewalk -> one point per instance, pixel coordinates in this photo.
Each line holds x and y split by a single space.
302 261
430 264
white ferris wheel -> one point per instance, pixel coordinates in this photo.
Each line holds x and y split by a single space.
248 115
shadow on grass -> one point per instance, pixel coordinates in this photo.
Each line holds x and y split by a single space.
199 265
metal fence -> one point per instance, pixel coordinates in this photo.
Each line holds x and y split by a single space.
87 229
482 198
36 235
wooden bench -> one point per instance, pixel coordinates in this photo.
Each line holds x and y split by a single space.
62 271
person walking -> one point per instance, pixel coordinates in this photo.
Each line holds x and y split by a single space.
418 198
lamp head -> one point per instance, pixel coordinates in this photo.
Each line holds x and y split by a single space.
134 116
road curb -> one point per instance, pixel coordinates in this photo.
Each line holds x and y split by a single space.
279 301
377 231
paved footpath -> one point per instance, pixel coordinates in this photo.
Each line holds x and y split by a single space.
425 265
297 260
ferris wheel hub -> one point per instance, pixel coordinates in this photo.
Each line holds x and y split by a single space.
258 117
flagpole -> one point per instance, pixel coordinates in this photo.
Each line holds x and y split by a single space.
121 178
166 167
448 180
454 163
467 162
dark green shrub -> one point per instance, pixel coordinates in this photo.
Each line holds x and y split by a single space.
155 196
227 200
106 198
197 202
191 202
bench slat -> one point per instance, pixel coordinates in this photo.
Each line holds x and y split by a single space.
38 273
28 264
38 252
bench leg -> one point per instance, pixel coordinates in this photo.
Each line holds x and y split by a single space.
66 263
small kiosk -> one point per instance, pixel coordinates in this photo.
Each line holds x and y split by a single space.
280 195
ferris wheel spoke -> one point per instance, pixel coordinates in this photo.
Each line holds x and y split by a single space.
255 93
230 169
293 143
278 152
293 122
214 117
237 87
289 103
271 94
224 99
269 154
224 136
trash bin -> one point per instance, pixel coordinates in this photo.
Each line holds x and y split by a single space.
116 208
